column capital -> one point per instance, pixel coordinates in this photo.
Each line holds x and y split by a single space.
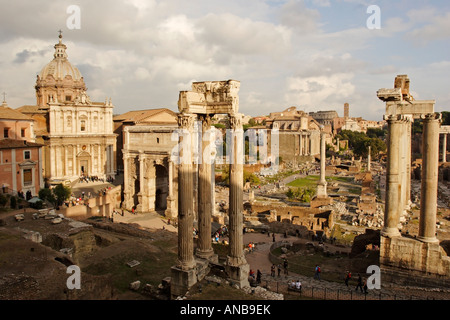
431 116
398 117
236 121
186 121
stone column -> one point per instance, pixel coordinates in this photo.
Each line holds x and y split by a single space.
185 194
429 186
126 172
237 266
322 186
392 209
205 192
141 193
368 160
444 148
408 162
183 274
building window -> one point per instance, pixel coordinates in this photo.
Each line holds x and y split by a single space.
68 98
157 140
69 121
27 177
27 154
22 132
83 125
6 133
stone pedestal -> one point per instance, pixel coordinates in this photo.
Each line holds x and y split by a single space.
413 255
181 281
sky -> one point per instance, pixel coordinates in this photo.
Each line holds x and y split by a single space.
315 55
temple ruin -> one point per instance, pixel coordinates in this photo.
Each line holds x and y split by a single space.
201 103
421 255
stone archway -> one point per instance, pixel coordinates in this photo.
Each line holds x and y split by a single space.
162 187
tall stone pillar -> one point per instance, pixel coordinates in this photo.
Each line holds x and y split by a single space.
429 186
237 266
183 275
322 186
368 160
392 204
141 194
444 148
408 162
185 193
205 193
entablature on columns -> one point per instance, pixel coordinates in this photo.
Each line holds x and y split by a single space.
444 130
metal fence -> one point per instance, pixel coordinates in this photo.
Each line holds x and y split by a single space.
323 293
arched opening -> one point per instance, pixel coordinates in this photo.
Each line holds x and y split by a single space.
162 188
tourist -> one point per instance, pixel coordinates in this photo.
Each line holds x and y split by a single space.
279 269
359 284
272 270
285 265
347 277
258 276
298 285
317 272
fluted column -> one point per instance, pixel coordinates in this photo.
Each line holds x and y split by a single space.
141 193
429 186
236 266
205 192
322 186
392 204
185 193
444 148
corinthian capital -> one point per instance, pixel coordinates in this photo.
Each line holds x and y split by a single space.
186 121
236 121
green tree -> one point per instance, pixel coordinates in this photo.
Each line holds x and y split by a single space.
61 193
46 194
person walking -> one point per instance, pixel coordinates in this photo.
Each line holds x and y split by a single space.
258 276
285 265
360 283
317 272
272 270
279 269
348 277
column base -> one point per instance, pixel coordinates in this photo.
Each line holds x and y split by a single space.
207 255
181 281
238 271
428 239
322 190
390 232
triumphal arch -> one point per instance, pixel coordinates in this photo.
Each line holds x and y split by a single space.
199 105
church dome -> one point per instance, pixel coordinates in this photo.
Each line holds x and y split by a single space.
60 67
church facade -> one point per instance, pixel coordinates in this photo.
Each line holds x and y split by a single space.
77 133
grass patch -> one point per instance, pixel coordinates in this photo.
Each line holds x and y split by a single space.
306 182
